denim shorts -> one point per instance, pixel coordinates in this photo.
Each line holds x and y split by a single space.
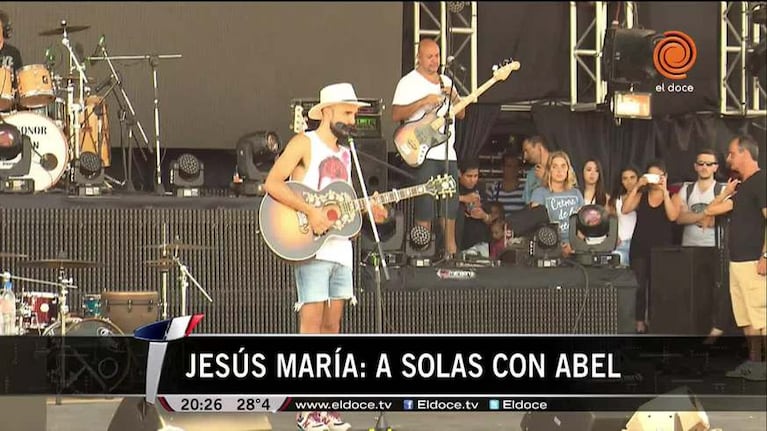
321 280
424 205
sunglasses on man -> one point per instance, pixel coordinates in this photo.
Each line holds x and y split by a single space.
709 164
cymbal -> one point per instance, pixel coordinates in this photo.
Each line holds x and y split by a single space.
179 246
13 255
61 263
60 30
161 264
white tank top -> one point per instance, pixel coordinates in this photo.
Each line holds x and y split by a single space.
694 235
326 166
626 222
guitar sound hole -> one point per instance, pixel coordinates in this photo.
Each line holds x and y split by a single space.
332 214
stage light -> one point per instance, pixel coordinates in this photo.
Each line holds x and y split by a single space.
15 160
187 175
593 235
546 248
420 247
628 104
628 55
87 176
256 153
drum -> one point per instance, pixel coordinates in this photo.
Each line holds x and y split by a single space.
6 89
103 356
35 86
77 327
51 154
38 309
130 310
91 306
94 129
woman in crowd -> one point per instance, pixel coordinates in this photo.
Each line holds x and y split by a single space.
594 192
559 194
655 215
626 222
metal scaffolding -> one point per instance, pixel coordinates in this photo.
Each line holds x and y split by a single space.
740 93
581 51
432 19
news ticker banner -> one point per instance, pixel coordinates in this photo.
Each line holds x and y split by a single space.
569 372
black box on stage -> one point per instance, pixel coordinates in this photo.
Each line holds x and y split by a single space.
574 421
682 283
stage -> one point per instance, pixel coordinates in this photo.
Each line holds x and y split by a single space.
253 290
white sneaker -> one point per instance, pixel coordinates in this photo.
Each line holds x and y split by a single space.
334 422
310 421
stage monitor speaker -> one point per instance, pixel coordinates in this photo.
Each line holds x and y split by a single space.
375 172
574 421
134 414
678 413
682 287
392 235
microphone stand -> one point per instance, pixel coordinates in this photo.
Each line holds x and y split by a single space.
378 263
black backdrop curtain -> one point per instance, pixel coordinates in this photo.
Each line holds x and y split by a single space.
474 130
675 139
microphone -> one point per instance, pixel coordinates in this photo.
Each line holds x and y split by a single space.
450 62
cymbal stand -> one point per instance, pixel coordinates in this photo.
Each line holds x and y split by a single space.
183 282
74 109
164 274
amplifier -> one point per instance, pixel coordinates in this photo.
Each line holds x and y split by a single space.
368 122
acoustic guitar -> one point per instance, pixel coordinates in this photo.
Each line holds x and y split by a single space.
288 233
415 138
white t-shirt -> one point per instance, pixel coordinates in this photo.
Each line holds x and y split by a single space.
414 86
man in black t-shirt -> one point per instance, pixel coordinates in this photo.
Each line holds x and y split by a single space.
473 221
747 199
10 57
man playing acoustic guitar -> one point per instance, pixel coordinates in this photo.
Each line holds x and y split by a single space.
324 283
419 92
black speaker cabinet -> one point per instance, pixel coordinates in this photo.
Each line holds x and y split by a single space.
373 156
682 287
574 421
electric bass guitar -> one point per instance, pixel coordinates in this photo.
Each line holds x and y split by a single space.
415 138
289 235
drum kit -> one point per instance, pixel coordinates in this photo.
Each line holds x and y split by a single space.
103 314
64 116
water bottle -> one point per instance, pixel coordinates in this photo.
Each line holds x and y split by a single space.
8 308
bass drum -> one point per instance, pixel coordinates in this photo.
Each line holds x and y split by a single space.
99 357
50 154
77 327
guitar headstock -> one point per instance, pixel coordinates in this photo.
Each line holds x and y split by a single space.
500 73
299 122
441 187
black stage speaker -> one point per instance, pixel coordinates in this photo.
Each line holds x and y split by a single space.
628 55
574 421
682 283
374 172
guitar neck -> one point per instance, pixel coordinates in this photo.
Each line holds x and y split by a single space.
393 196
465 101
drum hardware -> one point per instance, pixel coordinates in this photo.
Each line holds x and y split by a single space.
167 261
64 29
154 62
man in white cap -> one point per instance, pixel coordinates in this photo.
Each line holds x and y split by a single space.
421 91
324 283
